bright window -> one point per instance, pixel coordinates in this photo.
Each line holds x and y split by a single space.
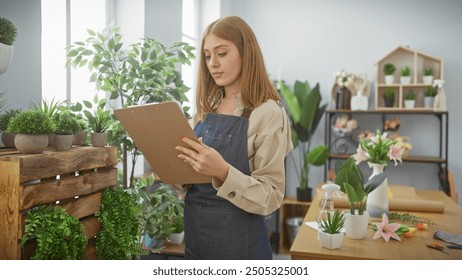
190 37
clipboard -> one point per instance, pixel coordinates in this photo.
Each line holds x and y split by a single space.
156 129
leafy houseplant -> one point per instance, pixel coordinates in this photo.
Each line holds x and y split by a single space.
120 233
330 229
389 69
428 75
8 33
429 71
429 96
32 129
99 121
59 235
303 104
142 73
66 126
389 97
7 138
405 75
409 99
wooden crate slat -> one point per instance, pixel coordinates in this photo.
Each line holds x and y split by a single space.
90 251
9 220
91 227
84 206
68 187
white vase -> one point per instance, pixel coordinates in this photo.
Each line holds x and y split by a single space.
405 80
359 102
428 80
409 104
356 225
389 79
377 200
331 241
6 53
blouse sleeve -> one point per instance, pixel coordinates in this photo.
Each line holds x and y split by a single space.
263 191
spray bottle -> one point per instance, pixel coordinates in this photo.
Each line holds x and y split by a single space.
440 99
327 202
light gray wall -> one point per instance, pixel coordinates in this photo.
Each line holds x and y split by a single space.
163 20
22 81
310 40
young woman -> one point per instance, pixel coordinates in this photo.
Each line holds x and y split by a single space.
244 137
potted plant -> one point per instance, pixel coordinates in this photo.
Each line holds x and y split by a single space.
427 77
48 108
8 33
177 235
389 69
99 121
429 96
330 229
81 135
389 97
405 75
66 127
409 99
303 104
7 138
32 129
351 182
58 235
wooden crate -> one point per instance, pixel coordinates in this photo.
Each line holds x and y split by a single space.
71 179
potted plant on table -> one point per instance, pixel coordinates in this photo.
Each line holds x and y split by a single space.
7 138
429 97
409 99
8 33
427 77
66 127
405 75
32 129
389 97
389 69
330 229
99 121
177 235
303 104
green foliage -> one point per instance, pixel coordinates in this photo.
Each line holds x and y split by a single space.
59 235
429 71
389 69
142 73
100 121
120 233
8 32
333 224
31 122
389 94
162 210
430 92
66 123
406 72
351 182
303 104
49 108
410 95
6 117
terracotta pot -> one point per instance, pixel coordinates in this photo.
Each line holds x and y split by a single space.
98 139
8 139
63 142
31 144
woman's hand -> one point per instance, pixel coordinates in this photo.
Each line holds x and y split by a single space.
203 159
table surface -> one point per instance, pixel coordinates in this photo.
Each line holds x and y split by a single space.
307 246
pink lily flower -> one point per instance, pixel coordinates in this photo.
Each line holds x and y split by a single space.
360 155
395 153
386 230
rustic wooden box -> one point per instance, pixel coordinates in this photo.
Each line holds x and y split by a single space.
71 179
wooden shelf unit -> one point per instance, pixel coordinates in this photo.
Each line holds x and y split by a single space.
290 207
73 180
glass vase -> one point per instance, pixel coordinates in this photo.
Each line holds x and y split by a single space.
377 200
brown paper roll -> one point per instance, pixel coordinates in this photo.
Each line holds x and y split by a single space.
402 204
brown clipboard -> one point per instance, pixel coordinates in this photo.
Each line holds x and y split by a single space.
156 130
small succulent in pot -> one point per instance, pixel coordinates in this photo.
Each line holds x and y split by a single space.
389 69
410 95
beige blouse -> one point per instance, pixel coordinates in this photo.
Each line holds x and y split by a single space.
269 141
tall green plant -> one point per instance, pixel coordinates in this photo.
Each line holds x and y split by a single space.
303 104
142 73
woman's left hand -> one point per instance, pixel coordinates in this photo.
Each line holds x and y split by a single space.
203 159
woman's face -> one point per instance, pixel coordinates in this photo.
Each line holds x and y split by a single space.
224 62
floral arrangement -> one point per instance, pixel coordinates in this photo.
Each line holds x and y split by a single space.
343 78
389 230
345 123
378 149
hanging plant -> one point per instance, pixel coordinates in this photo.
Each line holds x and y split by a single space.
120 234
59 235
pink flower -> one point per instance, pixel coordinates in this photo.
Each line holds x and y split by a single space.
386 230
360 155
395 153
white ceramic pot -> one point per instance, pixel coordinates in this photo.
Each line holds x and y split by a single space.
409 104
428 101
389 79
428 80
6 53
331 241
356 225
176 238
405 80
359 102
31 144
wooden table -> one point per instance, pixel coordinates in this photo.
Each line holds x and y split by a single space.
307 246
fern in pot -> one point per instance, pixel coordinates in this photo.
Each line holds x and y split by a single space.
32 129
66 127
7 138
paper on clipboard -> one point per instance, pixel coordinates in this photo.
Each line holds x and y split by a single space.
157 129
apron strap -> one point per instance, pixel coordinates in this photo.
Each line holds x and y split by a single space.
246 113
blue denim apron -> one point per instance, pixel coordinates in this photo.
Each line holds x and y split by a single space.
214 227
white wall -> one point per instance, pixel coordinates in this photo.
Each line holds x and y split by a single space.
310 40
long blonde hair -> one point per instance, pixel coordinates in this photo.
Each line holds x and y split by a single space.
256 86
